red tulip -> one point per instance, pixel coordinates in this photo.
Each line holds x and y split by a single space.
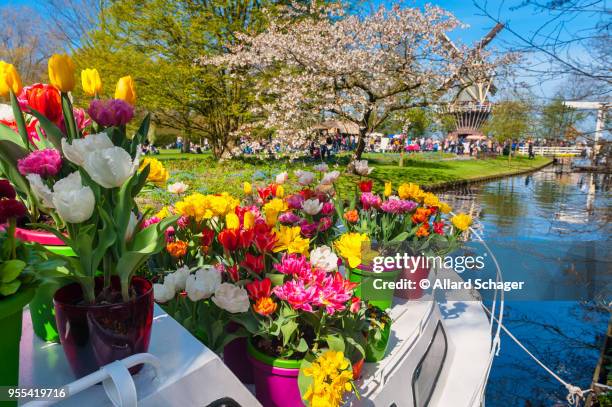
44 99
259 289
365 186
229 239
253 263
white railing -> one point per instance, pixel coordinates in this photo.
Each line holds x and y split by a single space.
551 151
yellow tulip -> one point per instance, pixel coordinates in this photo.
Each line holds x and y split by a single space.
90 79
61 72
280 191
462 221
125 90
388 189
247 188
9 79
249 220
232 221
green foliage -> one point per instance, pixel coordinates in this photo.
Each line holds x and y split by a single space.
510 120
557 120
158 42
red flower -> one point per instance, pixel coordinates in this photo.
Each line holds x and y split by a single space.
259 289
267 192
264 237
233 272
229 239
44 99
307 193
245 238
11 208
207 237
6 189
438 227
253 263
365 186
355 305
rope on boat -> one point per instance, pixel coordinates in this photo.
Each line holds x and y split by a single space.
575 394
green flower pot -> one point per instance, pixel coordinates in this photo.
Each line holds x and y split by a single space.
376 349
371 286
41 307
11 311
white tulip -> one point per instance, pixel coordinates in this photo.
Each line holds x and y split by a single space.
178 188
361 167
231 298
321 167
6 113
110 167
164 292
211 275
79 149
282 177
330 177
323 258
73 202
180 278
40 190
312 206
304 177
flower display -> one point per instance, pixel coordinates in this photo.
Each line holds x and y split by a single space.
203 283
78 149
312 206
289 239
177 249
110 112
323 258
46 163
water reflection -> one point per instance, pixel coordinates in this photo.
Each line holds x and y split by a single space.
551 228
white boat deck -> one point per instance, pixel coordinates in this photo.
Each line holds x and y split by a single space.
192 375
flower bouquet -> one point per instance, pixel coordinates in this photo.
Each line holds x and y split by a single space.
87 183
43 139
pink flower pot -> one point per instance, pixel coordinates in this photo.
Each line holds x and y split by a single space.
276 380
420 273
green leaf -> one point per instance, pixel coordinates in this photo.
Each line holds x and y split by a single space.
302 346
335 343
9 288
19 120
288 329
6 133
53 133
10 270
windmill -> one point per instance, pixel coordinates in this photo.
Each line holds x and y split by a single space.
470 106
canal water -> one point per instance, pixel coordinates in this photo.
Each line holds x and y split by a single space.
552 230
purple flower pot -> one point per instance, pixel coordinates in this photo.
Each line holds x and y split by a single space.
276 380
235 358
93 335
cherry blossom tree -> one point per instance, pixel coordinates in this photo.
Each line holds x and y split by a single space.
324 62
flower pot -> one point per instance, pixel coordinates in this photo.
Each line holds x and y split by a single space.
372 286
276 380
235 357
94 335
420 273
11 312
41 306
376 349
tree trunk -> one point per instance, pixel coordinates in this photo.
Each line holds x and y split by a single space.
360 145
186 141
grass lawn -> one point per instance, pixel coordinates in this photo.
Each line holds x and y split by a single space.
204 174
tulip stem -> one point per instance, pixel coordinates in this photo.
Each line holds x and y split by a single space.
71 127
